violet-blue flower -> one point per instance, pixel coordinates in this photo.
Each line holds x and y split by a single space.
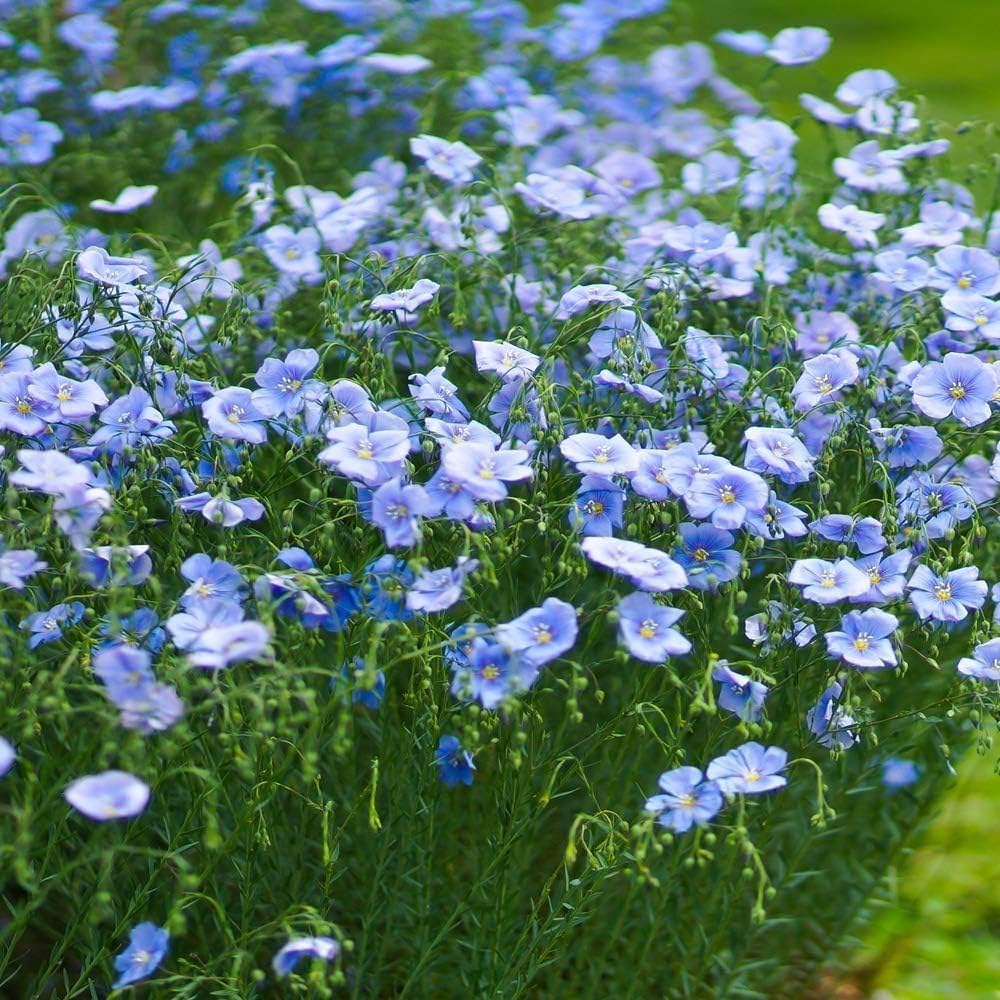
108 795
739 694
231 414
707 555
749 769
727 498
686 799
147 947
984 664
595 454
645 627
828 721
7 755
825 582
289 955
948 597
863 639
455 766
864 532
483 471
541 634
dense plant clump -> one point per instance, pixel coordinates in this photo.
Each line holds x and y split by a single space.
481 519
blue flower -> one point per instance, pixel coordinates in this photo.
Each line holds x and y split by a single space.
210 579
960 386
827 583
598 507
727 498
367 686
47 626
439 589
397 508
949 597
16 565
482 470
140 628
707 556
777 520
830 724
108 795
111 565
864 532
7 756
453 162
757 628
125 671
645 628
285 386
749 769
454 764
231 414
596 455
899 773
384 589
739 694
147 947
287 957
541 634
26 138
984 664
489 674
778 452
363 454
688 799
824 377
904 447
886 575
863 639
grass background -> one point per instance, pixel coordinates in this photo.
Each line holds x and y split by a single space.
940 936
946 50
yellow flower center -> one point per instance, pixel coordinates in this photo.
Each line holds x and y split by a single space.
957 390
727 495
491 673
543 634
647 629
942 592
700 554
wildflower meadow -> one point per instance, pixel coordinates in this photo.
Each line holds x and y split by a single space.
492 507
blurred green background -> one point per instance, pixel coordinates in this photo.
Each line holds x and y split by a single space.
946 50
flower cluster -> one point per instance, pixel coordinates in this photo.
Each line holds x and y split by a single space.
500 448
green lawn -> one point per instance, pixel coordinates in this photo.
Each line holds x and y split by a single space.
941 939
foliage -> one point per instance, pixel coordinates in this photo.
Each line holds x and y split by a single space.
446 434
